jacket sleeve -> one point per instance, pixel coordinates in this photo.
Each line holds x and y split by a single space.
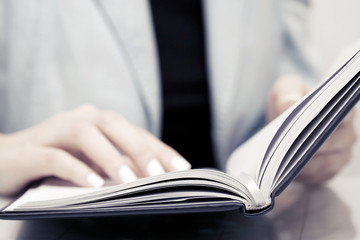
298 55
3 57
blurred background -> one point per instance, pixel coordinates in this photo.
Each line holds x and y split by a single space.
334 29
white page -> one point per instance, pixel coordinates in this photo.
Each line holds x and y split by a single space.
52 188
249 156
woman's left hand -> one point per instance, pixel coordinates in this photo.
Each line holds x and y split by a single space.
337 149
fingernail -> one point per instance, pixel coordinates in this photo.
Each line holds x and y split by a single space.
179 163
94 180
154 168
126 174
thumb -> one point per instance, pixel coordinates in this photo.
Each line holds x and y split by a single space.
286 91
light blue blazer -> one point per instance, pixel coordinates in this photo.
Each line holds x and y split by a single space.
58 54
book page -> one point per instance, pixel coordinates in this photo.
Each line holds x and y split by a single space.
248 158
58 194
50 189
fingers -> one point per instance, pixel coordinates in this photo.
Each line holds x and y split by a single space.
100 150
52 161
323 167
285 92
344 137
333 155
350 117
149 154
81 144
121 150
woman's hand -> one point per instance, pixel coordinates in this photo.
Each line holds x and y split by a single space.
81 146
334 153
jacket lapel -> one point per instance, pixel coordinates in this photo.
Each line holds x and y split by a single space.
132 28
224 34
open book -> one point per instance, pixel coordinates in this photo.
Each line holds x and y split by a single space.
258 171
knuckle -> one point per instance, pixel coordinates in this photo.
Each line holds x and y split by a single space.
80 130
109 117
58 118
49 159
88 110
83 113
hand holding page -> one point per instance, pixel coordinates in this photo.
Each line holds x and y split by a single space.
258 171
